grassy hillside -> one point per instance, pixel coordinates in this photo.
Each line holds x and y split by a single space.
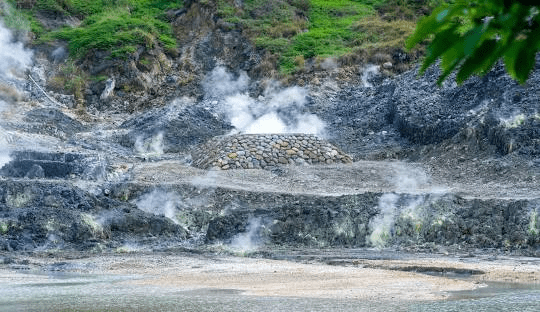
295 30
115 25
302 29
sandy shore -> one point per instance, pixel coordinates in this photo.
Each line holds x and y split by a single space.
355 279
263 277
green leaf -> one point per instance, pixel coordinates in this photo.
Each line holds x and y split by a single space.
477 61
427 26
472 39
526 58
440 45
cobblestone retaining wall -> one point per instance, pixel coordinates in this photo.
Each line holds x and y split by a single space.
257 151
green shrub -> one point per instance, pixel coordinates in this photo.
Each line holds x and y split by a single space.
116 25
70 79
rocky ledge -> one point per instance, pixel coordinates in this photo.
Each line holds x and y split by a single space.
256 151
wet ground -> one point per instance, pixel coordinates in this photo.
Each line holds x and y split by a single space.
353 280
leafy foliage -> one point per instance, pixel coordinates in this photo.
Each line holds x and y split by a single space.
471 36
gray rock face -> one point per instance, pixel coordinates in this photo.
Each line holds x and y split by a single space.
447 221
109 89
31 164
52 122
47 215
414 110
253 151
182 127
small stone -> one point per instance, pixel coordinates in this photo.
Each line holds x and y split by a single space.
226 167
232 155
291 152
283 160
329 161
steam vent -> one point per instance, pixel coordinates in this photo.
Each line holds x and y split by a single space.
258 151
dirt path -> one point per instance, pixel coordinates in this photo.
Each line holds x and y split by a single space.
333 180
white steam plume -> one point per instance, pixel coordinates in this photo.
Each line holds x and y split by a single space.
329 64
412 181
14 59
280 110
4 151
250 239
381 225
159 202
367 73
151 147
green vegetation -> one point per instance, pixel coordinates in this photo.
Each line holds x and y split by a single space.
71 79
3 228
302 29
295 31
471 36
115 25
17 20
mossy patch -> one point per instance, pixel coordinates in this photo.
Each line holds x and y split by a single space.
4 227
19 200
95 227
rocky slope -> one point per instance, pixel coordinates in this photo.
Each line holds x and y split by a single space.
439 168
